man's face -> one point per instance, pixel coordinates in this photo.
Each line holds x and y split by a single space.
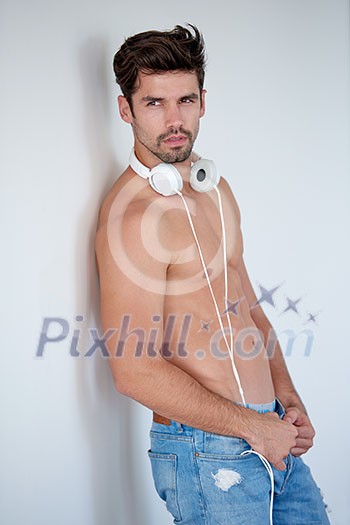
167 109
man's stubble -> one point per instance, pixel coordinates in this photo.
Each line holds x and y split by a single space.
179 154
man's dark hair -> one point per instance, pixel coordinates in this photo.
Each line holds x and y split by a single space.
157 51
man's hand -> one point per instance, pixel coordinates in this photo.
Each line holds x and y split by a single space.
306 432
273 438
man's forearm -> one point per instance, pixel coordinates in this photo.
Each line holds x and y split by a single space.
171 392
283 384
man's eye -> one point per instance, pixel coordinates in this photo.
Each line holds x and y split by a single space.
153 103
187 100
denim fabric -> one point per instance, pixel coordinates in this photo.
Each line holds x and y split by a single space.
203 479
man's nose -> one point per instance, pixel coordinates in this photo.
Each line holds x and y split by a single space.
173 116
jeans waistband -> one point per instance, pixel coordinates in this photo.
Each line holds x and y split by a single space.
262 408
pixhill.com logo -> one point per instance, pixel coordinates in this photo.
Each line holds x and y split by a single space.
160 334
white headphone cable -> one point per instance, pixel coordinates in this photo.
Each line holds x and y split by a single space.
230 348
251 451
226 295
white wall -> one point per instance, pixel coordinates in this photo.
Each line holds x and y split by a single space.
277 124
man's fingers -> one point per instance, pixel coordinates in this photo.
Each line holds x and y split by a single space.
280 465
304 443
291 416
298 451
306 433
301 446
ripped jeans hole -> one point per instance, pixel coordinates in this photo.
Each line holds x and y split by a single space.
226 478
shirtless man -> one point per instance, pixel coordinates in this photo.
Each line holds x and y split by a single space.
154 290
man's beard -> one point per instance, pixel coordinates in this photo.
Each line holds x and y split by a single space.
179 154
176 154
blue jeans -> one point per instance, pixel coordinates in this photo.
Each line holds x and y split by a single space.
204 480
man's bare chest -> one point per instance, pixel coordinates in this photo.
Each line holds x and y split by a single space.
199 243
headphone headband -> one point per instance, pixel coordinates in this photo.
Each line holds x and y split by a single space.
166 179
137 166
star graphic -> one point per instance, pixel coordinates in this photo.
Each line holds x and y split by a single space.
232 307
266 295
205 326
311 318
292 305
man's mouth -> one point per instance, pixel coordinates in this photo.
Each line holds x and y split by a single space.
176 140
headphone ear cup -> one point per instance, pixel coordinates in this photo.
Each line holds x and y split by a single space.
204 175
165 179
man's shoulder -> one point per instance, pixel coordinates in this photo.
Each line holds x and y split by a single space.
224 185
129 212
128 195
226 189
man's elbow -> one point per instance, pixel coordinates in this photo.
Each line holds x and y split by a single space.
136 391
132 383
135 377
123 383
127 388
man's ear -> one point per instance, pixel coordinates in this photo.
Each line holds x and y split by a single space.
202 111
124 109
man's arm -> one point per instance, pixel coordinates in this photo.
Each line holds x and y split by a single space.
283 385
152 380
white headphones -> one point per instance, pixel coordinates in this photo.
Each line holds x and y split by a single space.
166 179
